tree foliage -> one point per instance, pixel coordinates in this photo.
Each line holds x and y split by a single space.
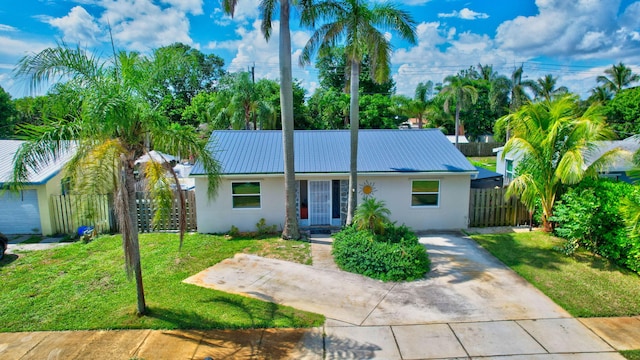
553 138
116 125
623 112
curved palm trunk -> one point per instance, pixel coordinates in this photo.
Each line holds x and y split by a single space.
355 124
291 230
126 210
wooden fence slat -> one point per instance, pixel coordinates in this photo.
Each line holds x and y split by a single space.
488 207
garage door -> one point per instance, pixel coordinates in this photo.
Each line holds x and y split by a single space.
19 213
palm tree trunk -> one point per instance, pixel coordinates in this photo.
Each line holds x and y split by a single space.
291 230
457 130
355 124
127 209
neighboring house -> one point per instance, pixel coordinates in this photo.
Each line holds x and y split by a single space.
421 177
28 211
486 179
616 170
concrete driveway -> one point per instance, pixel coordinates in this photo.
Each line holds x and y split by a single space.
466 284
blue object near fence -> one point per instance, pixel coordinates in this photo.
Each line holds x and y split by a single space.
85 230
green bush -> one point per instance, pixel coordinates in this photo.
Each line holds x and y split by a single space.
395 255
588 215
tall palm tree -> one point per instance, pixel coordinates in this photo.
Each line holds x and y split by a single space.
545 88
555 139
618 77
116 126
458 90
600 94
359 25
268 7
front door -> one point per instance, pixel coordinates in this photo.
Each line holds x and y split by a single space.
320 203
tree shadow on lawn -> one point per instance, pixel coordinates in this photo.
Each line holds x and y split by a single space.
251 318
514 253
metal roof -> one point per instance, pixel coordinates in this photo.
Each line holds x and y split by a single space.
8 148
327 151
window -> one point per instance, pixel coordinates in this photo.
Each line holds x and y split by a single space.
246 195
425 193
508 170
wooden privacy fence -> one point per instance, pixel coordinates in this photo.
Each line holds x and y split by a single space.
488 207
479 148
68 212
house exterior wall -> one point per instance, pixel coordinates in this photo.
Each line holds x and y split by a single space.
44 191
452 212
217 215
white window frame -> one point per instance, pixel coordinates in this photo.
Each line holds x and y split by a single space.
509 174
243 195
425 193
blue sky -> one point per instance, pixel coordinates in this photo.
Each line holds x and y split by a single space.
574 40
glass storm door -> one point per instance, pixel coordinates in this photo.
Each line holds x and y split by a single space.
319 202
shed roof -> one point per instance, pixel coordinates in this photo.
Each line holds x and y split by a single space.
8 149
327 151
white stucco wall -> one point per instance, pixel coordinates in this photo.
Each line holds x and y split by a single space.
452 213
216 215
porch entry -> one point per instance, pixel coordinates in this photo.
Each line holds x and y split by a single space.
319 201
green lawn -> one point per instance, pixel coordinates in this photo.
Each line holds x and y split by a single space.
585 285
631 354
84 286
487 162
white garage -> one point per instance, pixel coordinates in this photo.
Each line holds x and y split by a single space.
19 213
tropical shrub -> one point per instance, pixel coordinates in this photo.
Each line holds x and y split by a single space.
371 215
394 255
589 215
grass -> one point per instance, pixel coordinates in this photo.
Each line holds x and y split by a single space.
487 162
631 354
84 286
585 285
34 239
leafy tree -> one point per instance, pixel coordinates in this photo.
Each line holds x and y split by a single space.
7 114
178 74
618 77
553 138
372 215
479 117
623 112
329 109
358 23
419 105
458 90
332 65
378 112
117 125
268 8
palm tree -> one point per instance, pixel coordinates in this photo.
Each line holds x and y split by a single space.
554 138
357 24
116 126
545 88
619 77
268 8
600 94
371 215
458 89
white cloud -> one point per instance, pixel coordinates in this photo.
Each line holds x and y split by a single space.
193 7
245 12
16 48
465 14
142 25
252 49
78 27
7 28
441 51
582 29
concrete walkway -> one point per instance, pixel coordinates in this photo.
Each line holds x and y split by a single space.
469 306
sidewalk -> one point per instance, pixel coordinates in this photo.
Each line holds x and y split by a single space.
498 338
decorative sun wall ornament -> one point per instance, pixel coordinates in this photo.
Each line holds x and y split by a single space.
367 189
